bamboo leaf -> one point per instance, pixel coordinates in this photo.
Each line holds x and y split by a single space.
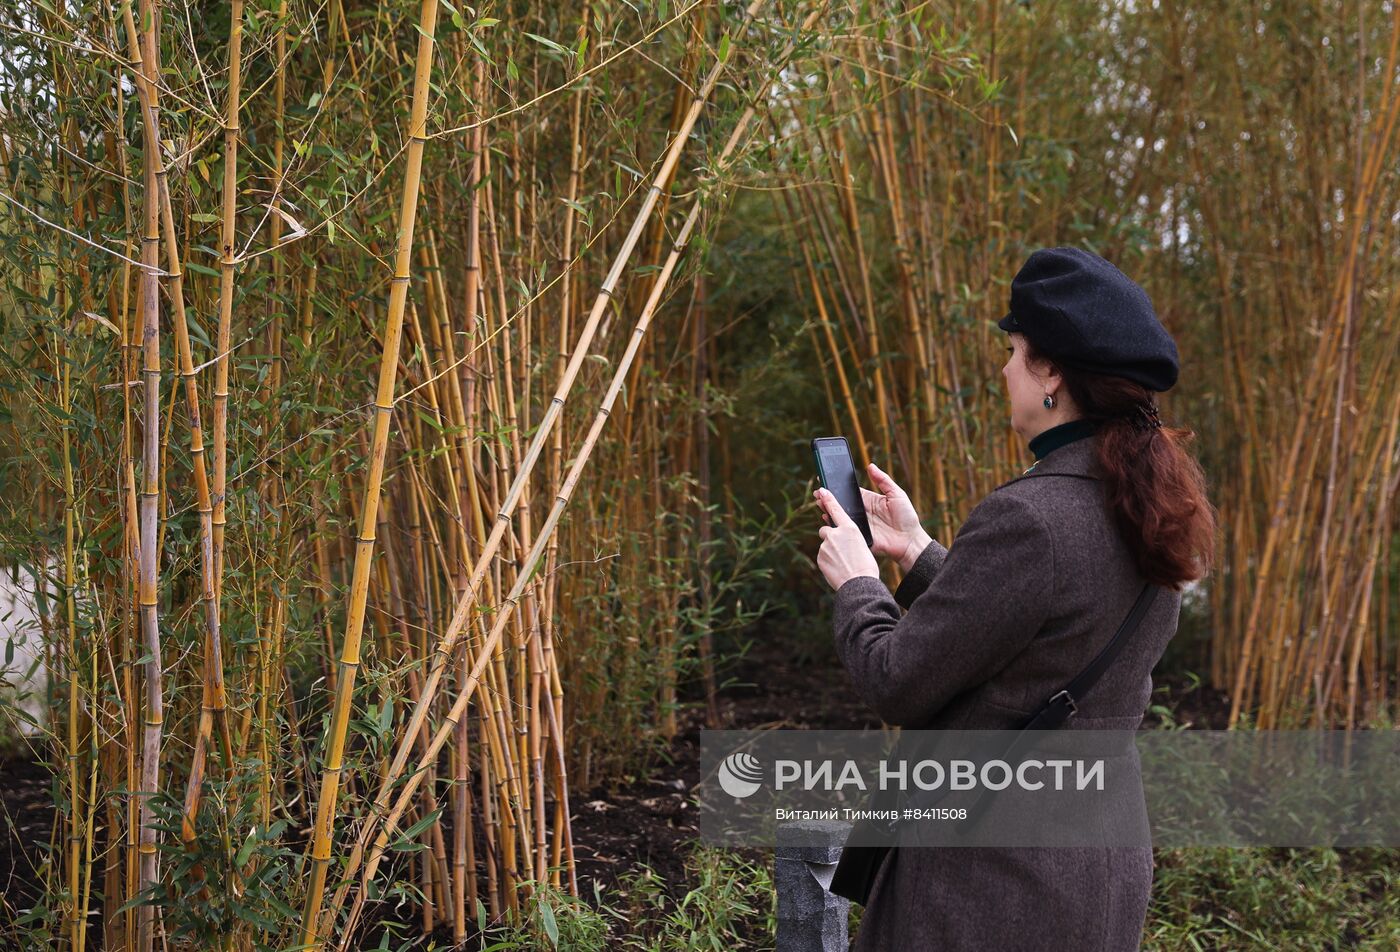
546 41
297 230
426 418
93 316
416 830
551 928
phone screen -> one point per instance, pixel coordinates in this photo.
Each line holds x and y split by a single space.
838 475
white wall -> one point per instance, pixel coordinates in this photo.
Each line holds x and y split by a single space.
23 676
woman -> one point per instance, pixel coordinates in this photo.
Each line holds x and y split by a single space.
1035 583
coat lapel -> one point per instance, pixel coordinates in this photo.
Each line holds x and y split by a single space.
1073 459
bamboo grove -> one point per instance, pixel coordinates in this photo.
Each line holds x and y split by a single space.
1241 163
380 383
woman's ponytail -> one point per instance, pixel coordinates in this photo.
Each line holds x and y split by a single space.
1156 490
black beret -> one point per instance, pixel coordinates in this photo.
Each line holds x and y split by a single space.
1082 312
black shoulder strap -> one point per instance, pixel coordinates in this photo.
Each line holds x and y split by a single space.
1061 705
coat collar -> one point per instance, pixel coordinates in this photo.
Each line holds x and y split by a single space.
1079 458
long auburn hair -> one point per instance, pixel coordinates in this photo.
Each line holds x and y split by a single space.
1156 491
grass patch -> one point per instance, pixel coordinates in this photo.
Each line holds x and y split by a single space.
1272 898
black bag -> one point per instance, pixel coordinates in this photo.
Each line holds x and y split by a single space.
855 873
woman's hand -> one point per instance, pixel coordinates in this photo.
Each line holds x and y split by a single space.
843 554
894 525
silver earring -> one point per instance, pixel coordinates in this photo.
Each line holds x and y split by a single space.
1049 402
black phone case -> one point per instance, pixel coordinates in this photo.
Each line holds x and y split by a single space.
847 492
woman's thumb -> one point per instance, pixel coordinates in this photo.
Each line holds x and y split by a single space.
884 481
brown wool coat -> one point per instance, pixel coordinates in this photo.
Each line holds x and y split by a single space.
1035 583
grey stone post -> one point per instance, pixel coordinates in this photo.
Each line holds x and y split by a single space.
810 919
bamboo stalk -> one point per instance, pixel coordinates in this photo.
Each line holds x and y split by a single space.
77 918
144 66
214 706
364 546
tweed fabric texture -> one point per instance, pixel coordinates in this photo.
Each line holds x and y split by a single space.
1034 584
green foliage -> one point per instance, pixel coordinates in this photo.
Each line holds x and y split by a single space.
555 920
727 902
236 878
1272 898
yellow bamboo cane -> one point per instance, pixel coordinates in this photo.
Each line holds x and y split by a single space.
364 546
214 705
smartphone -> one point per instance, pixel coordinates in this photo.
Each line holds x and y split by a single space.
838 475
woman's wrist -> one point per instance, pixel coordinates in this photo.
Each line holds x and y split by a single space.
917 543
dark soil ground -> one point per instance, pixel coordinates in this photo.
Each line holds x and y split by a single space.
616 829
27 817
652 821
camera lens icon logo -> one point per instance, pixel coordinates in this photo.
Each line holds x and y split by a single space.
740 775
